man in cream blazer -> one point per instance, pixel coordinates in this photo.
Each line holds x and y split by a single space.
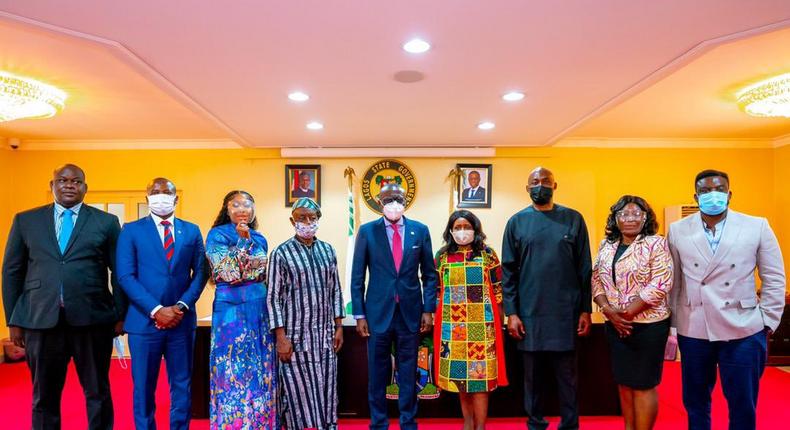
721 320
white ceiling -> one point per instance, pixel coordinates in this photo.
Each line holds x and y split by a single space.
201 69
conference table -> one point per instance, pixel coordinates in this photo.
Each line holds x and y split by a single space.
597 390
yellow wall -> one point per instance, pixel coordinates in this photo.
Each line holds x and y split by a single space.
781 182
590 180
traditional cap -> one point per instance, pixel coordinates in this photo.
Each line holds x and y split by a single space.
306 202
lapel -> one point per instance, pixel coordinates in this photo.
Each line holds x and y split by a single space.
729 237
408 240
697 234
82 219
630 250
49 218
153 234
380 231
178 228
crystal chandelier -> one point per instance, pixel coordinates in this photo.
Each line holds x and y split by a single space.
770 97
27 98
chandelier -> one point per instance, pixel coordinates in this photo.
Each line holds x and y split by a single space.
27 98
770 97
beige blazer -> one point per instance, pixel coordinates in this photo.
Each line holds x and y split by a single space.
714 297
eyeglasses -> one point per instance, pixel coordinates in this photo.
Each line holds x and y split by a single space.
388 200
630 216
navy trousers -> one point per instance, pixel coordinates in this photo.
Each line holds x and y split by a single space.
740 363
380 372
146 350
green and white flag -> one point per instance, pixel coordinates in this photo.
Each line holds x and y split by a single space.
352 236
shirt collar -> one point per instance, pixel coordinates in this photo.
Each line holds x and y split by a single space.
718 226
158 220
59 209
388 222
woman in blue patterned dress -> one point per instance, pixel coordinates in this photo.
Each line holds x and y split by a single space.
242 363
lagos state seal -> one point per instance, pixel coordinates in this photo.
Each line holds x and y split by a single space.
384 172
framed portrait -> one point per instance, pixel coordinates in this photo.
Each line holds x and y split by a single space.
474 190
302 180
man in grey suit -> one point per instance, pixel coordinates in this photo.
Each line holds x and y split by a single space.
721 321
57 301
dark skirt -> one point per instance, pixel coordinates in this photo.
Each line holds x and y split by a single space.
637 360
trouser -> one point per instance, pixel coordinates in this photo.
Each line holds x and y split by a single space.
740 363
48 353
379 371
177 347
537 368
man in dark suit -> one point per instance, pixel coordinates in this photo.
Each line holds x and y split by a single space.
394 251
474 193
160 267
56 299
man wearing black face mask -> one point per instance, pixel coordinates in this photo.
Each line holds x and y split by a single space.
546 269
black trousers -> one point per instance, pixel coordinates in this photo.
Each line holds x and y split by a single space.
538 367
48 354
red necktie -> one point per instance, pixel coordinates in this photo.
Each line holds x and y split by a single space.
168 243
397 247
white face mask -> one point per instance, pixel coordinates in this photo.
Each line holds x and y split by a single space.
161 204
393 211
463 237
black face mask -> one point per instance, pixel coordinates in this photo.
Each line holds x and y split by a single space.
541 195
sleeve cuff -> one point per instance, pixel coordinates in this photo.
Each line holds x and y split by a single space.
156 309
185 305
359 317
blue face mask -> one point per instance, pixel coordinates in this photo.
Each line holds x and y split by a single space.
713 203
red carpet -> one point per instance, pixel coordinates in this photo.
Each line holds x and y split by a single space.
15 394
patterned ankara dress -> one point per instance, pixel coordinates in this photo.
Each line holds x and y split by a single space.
243 361
468 336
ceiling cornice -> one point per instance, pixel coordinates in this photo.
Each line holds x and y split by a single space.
666 70
145 70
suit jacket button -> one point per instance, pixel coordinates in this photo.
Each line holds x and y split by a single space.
732 266
62 263
696 265
727 284
703 284
726 303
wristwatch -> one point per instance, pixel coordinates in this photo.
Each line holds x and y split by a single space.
181 307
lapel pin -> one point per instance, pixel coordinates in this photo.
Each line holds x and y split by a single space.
412 233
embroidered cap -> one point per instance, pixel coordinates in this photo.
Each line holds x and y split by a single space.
306 202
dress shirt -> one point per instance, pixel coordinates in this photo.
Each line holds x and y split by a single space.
714 237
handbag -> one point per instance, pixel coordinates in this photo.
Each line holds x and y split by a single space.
671 348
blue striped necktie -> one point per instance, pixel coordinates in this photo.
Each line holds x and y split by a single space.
66 227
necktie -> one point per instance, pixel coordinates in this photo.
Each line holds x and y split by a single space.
168 240
397 247
66 227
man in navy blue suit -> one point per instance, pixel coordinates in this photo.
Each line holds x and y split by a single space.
394 251
160 267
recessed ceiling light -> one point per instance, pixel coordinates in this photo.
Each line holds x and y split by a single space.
416 46
513 96
314 125
486 125
299 96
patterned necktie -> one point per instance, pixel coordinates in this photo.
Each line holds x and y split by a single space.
397 247
168 240
66 227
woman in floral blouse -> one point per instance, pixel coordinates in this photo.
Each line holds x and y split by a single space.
631 279
242 361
